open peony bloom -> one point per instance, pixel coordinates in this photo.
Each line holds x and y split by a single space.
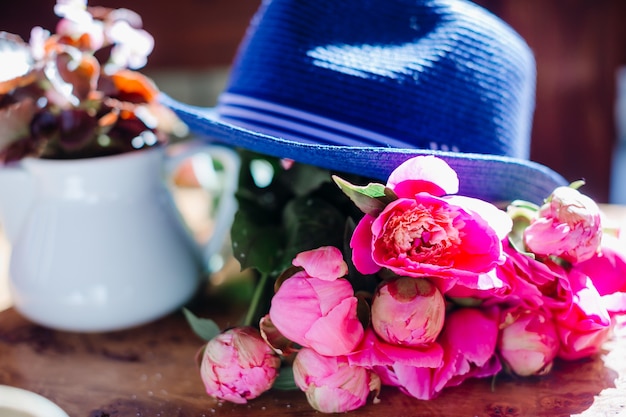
528 341
331 384
319 310
426 232
568 226
408 311
237 365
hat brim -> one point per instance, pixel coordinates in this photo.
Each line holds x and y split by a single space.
489 177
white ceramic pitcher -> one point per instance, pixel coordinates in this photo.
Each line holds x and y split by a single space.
98 244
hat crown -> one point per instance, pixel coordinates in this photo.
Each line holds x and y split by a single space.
441 74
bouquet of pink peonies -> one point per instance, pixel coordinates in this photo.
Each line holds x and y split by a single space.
407 284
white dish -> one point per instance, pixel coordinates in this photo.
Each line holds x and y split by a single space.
17 402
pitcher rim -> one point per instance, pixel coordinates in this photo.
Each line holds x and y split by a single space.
31 160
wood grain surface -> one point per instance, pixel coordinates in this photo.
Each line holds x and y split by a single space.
151 371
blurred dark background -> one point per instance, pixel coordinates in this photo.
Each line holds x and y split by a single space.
578 44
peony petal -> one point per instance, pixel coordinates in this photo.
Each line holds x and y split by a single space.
481 247
497 219
587 298
415 381
337 333
293 307
325 263
615 303
492 367
361 244
423 174
428 356
373 352
586 325
472 332
329 294
607 270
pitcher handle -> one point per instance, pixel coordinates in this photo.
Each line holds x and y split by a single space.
227 202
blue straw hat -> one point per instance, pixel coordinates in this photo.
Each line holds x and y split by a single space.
359 86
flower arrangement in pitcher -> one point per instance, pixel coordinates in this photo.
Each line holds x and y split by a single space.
75 93
410 285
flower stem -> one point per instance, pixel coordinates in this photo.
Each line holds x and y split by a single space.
253 315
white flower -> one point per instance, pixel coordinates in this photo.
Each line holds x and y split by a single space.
132 46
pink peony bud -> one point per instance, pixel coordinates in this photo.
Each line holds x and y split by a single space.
528 342
408 311
237 365
315 307
568 226
331 384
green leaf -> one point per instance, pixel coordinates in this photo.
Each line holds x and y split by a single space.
285 381
522 213
309 223
370 199
258 304
206 329
256 245
304 179
517 242
577 184
299 210
522 207
466 301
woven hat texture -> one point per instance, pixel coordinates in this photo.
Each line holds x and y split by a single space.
359 86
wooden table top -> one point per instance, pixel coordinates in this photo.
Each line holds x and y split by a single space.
151 371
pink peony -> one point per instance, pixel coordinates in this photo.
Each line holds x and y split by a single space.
468 341
528 341
513 281
522 280
237 365
585 325
331 384
374 352
408 311
607 271
568 226
428 233
536 283
318 311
